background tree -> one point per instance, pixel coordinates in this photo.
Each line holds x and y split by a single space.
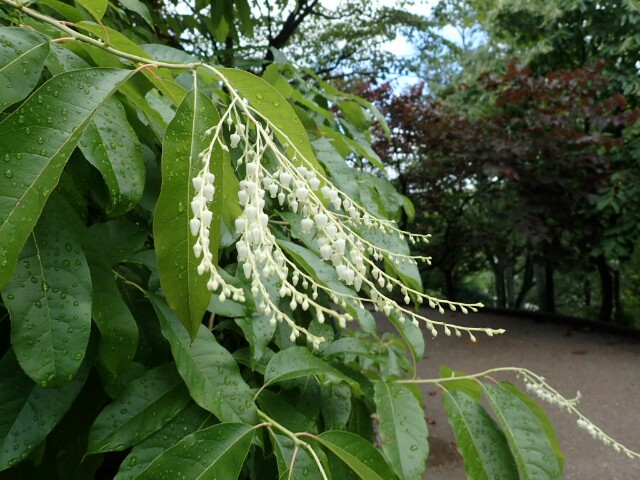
521 184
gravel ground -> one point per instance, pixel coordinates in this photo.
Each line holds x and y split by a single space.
603 366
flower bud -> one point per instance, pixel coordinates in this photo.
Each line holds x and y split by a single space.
194 225
326 251
307 225
321 220
285 178
252 168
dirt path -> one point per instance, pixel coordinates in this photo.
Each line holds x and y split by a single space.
604 367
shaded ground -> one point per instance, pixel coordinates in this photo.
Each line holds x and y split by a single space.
603 366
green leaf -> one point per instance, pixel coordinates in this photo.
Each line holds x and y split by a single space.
258 331
469 387
284 449
185 290
296 362
276 406
208 369
138 7
145 406
342 175
406 272
117 240
412 335
273 106
161 78
69 438
403 429
37 140
362 457
21 60
352 111
49 299
335 406
482 445
347 347
110 144
272 75
532 448
228 308
360 420
189 420
96 8
295 420
29 412
69 13
216 452
164 53
542 417
118 328
244 16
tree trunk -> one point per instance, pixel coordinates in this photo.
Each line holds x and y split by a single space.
545 288
501 298
450 284
617 303
527 282
550 290
509 286
606 289
586 288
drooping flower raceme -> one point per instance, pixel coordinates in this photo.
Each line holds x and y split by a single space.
329 216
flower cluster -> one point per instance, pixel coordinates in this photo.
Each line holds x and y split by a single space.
328 215
540 388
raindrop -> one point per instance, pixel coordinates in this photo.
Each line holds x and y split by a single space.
259 96
8 174
276 103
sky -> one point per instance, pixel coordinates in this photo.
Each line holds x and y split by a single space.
401 46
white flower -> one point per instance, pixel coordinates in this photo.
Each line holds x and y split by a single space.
307 225
293 180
